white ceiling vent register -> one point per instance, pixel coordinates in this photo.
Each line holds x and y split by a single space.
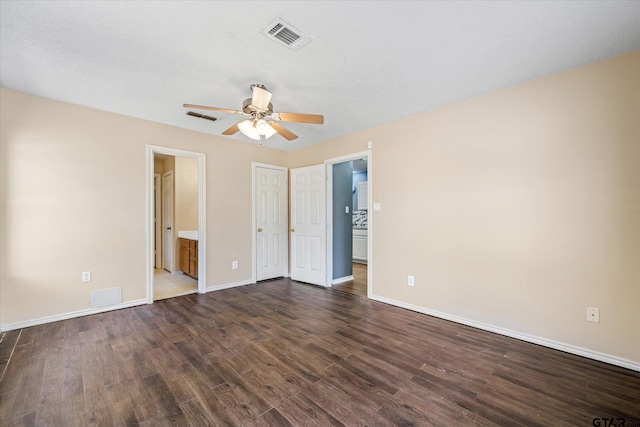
286 34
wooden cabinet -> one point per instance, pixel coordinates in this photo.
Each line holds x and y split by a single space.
189 257
359 245
184 255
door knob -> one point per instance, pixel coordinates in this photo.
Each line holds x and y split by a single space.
259 230
293 230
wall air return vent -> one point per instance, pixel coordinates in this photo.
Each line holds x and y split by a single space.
286 34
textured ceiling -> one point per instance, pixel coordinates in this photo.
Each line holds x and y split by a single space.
369 62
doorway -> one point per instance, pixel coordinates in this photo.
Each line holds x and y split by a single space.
349 235
169 280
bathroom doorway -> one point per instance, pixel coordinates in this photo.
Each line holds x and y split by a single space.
348 215
182 223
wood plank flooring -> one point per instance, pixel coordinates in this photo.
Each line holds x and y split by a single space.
357 286
282 353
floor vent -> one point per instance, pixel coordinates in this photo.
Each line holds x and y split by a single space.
286 34
106 297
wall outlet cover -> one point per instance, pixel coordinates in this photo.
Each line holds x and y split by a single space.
593 314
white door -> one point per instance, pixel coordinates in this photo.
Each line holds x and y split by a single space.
308 225
271 223
157 218
167 221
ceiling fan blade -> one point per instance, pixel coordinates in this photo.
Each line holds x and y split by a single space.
316 119
204 107
261 97
283 131
232 130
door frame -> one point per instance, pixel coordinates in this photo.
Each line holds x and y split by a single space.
157 184
152 150
168 254
329 165
254 219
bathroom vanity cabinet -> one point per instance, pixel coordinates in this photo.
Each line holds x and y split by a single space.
189 257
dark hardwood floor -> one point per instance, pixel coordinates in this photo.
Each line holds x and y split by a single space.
283 353
357 286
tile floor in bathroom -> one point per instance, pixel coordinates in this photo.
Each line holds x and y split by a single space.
167 285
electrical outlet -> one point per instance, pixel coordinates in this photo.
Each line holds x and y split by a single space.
410 280
234 265
86 276
593 314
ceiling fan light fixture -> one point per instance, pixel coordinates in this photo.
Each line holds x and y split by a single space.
256 129
261 97
262 122
265 129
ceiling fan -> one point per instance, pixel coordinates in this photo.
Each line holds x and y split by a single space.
262 121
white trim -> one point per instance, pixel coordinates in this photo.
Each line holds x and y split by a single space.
168 248
329 193
157 236
341 280
230 285
254 253
202 214
329 221
370 222
567 348
70 315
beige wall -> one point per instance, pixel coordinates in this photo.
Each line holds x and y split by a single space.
186 197
157 166
72 199
518 209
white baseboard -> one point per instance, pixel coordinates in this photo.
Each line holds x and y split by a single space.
90 311
212 288
70 315
341 280
579 351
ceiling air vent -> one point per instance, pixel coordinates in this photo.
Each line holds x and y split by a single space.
286 34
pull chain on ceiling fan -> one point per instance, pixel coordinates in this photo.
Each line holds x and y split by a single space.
263 122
